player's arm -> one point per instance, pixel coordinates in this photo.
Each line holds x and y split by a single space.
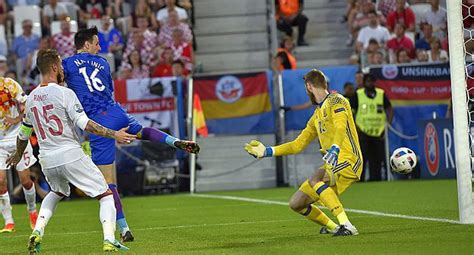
258 150
20 99
76 113
339 114
21 142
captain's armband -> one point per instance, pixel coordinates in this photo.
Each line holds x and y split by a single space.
25 131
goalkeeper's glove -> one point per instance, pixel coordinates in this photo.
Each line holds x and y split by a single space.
258 150
331 156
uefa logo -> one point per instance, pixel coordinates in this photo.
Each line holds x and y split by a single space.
431 146
390 71
229 89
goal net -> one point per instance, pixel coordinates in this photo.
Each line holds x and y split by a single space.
461 51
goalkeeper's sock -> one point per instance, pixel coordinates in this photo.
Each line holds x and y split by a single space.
330 199
157 136
314 214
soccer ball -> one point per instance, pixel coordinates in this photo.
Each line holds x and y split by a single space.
403 160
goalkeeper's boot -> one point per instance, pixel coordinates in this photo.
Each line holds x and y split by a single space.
34 243
9 228
127 237
188 146
33 218
114 246
325 230
346 230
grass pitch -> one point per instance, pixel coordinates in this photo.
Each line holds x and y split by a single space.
182 224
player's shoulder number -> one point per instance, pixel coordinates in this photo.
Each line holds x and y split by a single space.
93 82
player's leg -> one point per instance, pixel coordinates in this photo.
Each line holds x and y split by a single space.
329 198
5 206
87 177
59 189
110 175
302 202
29 190
375 161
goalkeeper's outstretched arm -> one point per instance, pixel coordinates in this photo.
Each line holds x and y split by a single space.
259 150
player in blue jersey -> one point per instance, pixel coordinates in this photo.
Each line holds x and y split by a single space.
89 76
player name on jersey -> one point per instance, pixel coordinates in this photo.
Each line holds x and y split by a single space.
80 62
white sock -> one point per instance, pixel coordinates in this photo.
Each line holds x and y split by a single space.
46 211
6 208
30 197
107 217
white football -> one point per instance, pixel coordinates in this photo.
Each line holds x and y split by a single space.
403 160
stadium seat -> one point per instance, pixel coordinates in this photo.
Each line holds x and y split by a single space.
31 12
36 29
56 27
72 10
419 10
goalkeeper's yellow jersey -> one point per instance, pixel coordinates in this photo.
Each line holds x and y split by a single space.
333 123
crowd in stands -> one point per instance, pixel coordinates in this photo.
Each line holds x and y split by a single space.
396 31
142 38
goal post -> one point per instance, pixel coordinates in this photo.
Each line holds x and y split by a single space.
460 111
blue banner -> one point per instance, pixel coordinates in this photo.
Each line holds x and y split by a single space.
295 94
436 148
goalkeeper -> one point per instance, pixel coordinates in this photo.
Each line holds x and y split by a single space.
333 124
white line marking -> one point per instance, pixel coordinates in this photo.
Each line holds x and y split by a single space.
382 214
168 227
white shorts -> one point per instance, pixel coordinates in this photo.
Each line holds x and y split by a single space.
27 160
81 173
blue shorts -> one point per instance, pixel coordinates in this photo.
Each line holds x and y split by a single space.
103 149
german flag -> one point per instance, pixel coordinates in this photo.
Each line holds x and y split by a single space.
236 103
232 96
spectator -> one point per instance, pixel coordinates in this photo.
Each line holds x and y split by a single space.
143 40
134 69
3 12
178 69
287 46
64 40
289 14
377 58
359 79
372 48
110 40
421 56
33 73
25 43
3 48
403 15
349 90
11 74
436 54
362 18
164 68
182 50
53 11
142 9
281 62
400 41
402 57
93 9
386 6
163 14
166 30
373 30
372 110
437 17
13 3
424 42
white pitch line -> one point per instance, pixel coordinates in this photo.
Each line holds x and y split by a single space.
375 213
172 227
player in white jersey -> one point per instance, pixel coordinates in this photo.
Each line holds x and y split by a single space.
53 111
12 104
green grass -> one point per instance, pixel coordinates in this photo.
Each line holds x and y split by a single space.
181 224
